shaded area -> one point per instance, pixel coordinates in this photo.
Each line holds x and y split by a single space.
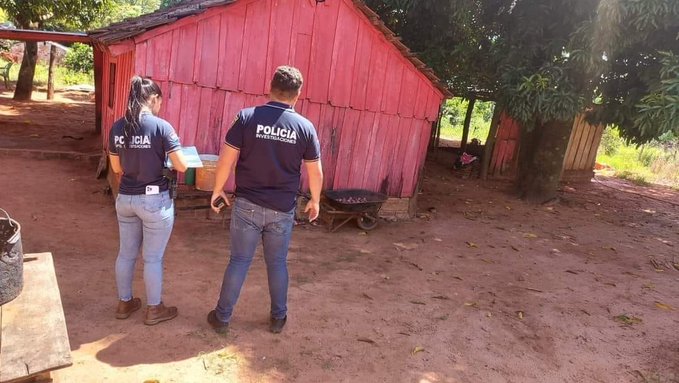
63 124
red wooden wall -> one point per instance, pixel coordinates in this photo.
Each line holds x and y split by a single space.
372 108
578 161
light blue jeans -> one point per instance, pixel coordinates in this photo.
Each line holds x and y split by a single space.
251 223
145 223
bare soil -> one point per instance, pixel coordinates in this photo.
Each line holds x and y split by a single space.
65 124
481 287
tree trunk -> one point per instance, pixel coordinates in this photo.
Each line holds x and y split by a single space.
490 141
24 85
541 158
50 73
467 122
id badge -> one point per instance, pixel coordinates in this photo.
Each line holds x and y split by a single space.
152 189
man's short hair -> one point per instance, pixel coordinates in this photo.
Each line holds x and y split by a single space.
286 82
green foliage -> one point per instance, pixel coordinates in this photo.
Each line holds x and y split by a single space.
80 58
546 59
119 10
62 76
610 141
454 112
656 162
59 15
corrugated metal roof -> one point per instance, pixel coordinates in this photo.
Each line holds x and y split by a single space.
136 26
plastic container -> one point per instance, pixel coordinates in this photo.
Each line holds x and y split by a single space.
11 258
205 176
190 176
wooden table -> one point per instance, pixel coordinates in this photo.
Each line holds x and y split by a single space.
34 340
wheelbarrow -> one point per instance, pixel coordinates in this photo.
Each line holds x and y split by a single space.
348 204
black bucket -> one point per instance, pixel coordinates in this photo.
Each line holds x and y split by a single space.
11 259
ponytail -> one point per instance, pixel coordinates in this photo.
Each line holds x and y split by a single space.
141 90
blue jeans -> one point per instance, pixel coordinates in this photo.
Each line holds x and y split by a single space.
249 224
145 222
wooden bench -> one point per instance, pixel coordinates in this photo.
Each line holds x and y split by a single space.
4 72
34 340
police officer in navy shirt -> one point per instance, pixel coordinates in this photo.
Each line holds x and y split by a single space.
138 146
267 145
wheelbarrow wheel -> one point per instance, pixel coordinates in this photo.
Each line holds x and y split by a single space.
366 222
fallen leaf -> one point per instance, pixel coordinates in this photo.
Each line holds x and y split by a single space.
362 233
520 314
363 251
487 261
405 246
536 290
663 306
489 314
471 244
649 286
152 381
530 235
627 320
438 240
471 304
366 340
417 349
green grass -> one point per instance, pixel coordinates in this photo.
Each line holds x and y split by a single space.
63 77
648 165
453 119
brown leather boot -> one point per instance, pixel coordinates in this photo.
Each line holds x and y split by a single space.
159 313
125 309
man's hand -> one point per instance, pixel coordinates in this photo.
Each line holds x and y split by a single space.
216 194
313 208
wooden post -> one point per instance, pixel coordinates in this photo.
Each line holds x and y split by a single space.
50 72
490 141
467 122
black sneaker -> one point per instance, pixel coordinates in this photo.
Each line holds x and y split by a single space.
219 326
276 325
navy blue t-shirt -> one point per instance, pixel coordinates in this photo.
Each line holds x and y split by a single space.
273 140
143 159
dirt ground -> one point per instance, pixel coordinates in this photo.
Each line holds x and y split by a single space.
481 287
64 124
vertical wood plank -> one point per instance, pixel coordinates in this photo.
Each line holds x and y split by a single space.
208 51
322 42
378 73
392 85
362 70
343 57
254 53
203 125
231 43
280 33
188 120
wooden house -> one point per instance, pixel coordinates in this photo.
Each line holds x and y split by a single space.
580 155
372 102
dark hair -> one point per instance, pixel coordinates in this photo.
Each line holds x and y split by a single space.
286 82
141 90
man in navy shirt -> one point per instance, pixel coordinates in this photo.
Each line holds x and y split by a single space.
267 145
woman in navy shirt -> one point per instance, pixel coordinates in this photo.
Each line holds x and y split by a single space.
139 143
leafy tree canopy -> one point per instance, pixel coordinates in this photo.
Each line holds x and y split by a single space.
549 60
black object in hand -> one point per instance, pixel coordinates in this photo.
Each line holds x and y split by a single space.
219 203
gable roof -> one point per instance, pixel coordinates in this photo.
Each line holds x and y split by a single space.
136 26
